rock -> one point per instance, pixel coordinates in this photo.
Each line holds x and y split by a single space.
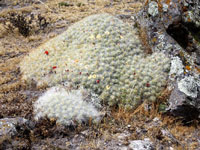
122 136
173 27
145 144
191 12
189 86
16 129
154 26
153 9
183 105
8 125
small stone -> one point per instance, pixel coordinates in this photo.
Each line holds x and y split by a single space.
153 9
180 104
145 144
165 7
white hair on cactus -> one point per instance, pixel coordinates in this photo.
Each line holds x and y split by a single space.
64 106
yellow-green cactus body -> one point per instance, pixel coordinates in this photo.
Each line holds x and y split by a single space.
103 54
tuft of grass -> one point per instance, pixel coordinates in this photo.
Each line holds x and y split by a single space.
66 4
26 24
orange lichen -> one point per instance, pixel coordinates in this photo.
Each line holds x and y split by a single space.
187 67
189 20
170 17
146 3
198 69
154 39
168 2
160 6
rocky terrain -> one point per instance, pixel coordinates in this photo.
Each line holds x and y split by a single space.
169 122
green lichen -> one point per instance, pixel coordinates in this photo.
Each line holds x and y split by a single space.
153 8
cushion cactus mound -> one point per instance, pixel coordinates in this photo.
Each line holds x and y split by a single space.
67 107
103 54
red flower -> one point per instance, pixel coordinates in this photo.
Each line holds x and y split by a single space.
98 81
147 85
46 52
54 67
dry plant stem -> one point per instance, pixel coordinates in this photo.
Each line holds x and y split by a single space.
44 5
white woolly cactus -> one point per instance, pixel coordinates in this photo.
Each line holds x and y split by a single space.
103 54
65 107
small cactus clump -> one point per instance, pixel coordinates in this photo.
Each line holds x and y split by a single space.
103 54
66 107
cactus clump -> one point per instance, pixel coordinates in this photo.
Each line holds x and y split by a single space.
103 54
67 107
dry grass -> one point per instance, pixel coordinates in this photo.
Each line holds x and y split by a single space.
16 98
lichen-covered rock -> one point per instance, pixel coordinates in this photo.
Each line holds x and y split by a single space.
183 105
153 8
7 128
176 67
8 125
66 106
173 28
189 86
13 131
167 31
192 12
154 23
103 54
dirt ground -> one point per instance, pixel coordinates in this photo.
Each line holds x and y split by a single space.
24 25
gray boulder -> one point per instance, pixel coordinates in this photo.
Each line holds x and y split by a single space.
14 133
173 27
